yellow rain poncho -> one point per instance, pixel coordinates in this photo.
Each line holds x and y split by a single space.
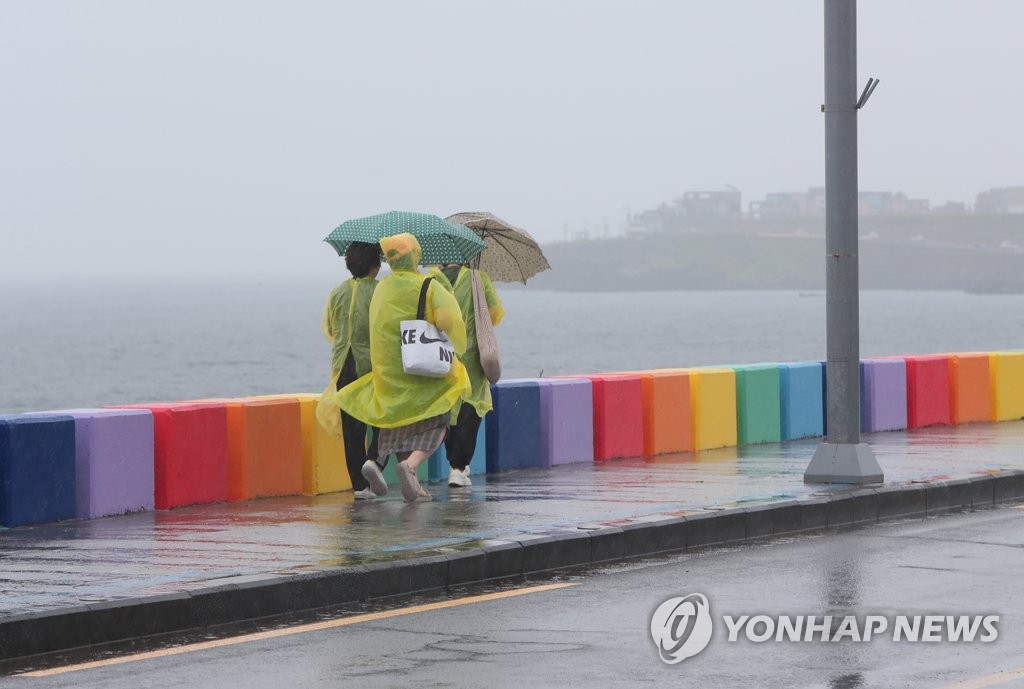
388 397
480 397
346 323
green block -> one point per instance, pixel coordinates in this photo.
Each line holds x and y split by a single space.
391 474
758 409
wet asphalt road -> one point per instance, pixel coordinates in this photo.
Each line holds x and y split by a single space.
596 632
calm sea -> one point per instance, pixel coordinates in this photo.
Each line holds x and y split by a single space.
94 345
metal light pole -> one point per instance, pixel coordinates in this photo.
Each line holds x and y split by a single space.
842 458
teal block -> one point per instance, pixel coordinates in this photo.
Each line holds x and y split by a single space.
438 461
801 400
758 413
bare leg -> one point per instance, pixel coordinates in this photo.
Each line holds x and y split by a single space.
414 458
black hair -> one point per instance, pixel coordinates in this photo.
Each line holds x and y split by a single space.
361 258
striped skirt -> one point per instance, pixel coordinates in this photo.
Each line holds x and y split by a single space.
423 435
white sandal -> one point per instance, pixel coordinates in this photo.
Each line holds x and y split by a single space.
411 488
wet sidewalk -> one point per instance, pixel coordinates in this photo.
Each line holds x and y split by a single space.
59 566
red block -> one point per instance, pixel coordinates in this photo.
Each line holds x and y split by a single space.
928 391
190 453
618 416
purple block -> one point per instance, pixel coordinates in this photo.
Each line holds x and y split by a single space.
113 461
883 397
566 421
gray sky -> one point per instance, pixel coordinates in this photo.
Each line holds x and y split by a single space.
204 138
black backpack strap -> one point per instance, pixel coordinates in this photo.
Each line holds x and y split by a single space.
421 309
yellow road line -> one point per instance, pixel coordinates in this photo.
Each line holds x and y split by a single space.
989 680
301 629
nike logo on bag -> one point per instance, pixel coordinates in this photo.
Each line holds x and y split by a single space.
430 340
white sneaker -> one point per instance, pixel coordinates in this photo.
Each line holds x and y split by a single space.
371 472
364 494
459 478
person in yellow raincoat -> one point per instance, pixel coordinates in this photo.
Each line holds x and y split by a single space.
460 444
411 411
346 325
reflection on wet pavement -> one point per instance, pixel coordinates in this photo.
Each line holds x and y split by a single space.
76 562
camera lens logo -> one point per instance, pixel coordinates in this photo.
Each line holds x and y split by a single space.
681 627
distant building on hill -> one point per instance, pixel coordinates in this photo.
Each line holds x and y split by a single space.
1000 201
791 204
951 208
710 205
811 204
889 203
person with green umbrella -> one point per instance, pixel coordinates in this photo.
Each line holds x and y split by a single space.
412 411
346 325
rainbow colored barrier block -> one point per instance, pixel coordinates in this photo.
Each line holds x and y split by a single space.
264 448
713 407
758 413
667 417
1006 371
190 456
37 469
970 388
438 466
883 396
801 395
566 421
323 456
618 402
928 391
513 426
113 461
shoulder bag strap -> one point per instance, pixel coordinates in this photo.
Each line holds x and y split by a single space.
421 309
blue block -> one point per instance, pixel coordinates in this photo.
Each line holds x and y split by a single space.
801 392
437 467
37 469
513 427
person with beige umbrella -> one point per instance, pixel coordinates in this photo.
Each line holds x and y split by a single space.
511 255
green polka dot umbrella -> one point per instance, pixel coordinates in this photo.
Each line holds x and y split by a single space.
442 241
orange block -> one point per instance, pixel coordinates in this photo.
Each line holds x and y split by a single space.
264 448
667 424
323 456
970 388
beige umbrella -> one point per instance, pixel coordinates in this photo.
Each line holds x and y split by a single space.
511 254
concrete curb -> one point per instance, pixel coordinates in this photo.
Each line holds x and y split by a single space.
246 598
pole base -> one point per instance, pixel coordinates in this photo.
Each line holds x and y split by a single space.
843 463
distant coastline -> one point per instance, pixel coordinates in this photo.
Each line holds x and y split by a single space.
973 254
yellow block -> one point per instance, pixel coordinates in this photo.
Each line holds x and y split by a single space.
323 457
1006 371
713 407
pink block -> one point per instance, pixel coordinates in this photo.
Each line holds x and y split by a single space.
618 416
928 398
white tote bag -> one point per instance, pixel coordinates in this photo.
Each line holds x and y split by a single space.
426 351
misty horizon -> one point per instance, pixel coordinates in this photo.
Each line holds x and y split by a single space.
201 140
